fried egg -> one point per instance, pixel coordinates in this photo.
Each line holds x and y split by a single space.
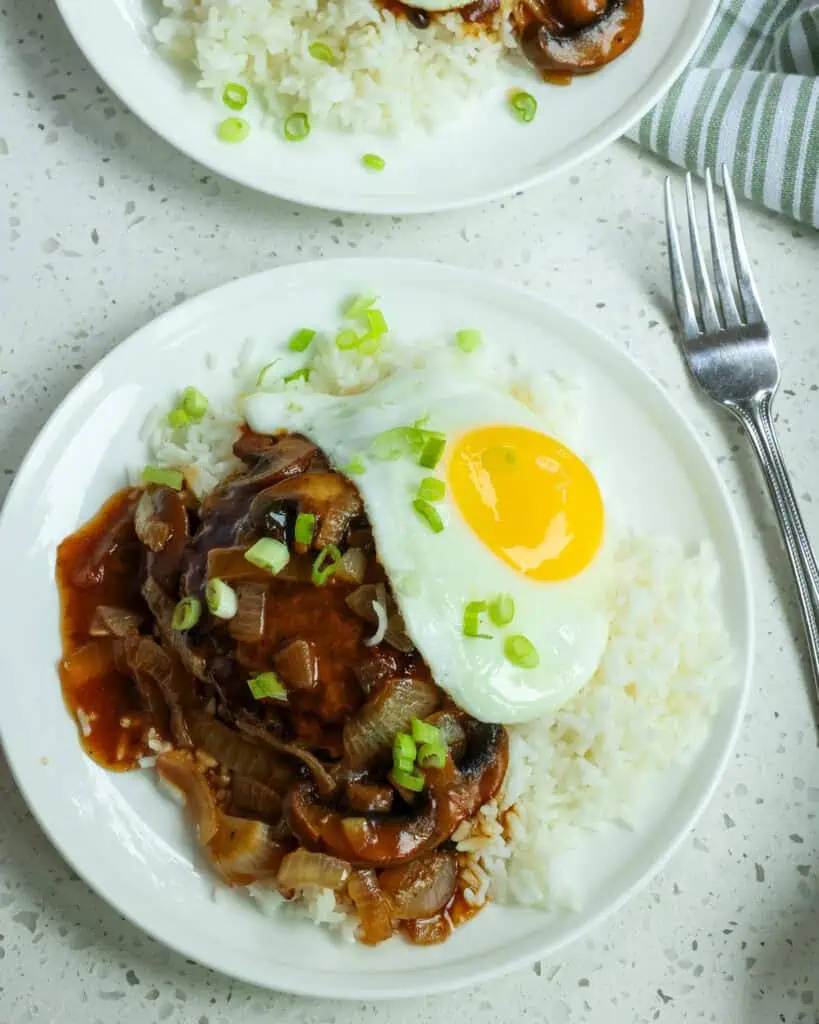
521 517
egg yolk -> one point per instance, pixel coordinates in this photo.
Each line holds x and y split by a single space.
530 500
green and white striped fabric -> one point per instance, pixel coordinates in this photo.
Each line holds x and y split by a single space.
750 99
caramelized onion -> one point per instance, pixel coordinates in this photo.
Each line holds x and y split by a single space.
362 602
253 727
428 931
247 625
245 851
150 528
422 887
352 567
372 906
301 868
255 798
230 565
88 662
368 735
240 754
109 620
179 770
296 664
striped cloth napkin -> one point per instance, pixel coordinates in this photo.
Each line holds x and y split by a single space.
750 99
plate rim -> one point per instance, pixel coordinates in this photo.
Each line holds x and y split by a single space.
531 949
377 204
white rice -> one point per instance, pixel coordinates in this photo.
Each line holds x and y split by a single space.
386 76
648 707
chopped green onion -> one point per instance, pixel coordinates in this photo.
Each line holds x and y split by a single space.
472 620
468 341
305 528
266 684
264 372
268 554
405 764
373 161
221 599
422 423
369 344
346 339
355 467
322 52
325 565
403 749
423 732
358 305
178 418
376 322
167 477
186 614
297 127
413 781
432 755
431 489
194 403
502 609
428 513
431 452
393 443
235 96
234 129
524 106
302 374
301 340
521 652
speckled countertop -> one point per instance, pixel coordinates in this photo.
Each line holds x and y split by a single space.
104 227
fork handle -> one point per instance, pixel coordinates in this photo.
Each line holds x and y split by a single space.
757 420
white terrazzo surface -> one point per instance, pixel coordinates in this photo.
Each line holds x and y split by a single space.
104 227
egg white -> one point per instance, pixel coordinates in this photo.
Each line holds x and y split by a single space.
434 575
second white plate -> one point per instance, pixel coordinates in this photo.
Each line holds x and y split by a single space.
485 155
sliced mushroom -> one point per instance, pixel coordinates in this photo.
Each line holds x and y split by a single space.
330 497
568 37
251 446
290 455
368 796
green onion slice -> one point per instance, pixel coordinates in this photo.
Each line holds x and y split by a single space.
297 127
429 514
431 489
305 528
301 340
265 370
423 732
221 599
321 51
355 467
346 339
234 129
393 443
325 565
413 781
502 609
431 452
524 106
235 96
376 322
194 403
432 755
373 161
302 374
521 652
359 304
472 620
167 477
403 749
369 344
268 554
469 340
186 614
178 418
267 684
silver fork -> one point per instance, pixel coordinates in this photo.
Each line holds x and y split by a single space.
730 354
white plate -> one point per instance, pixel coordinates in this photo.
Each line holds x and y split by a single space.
480 157
120 833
